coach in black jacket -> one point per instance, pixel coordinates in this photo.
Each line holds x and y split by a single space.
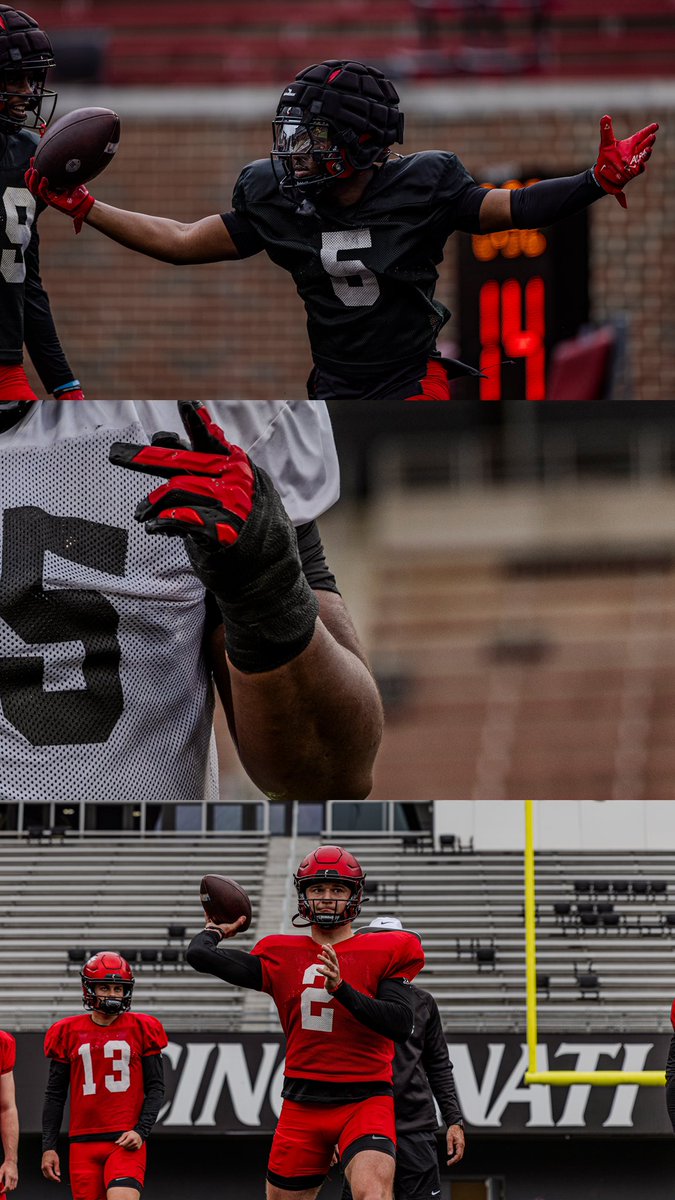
422 1073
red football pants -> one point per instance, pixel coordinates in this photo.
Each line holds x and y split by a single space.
306 1136
93 1166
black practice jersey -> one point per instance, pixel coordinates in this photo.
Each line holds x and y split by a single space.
25 316
367 274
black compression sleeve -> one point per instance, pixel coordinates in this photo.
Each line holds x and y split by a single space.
551 200
234 966
153 1086
670 1082
56 1092
313 557
391 1013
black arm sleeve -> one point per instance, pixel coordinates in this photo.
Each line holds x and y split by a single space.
553 199
39 331
391 1013
153 1086
313 556
56 1094
234 966
670 1082
438 1068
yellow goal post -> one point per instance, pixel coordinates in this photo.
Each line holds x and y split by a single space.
558 1078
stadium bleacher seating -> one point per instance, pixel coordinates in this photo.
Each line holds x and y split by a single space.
591 719
60 902
234 43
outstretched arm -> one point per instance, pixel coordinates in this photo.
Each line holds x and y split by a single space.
170 241
175 242
552 200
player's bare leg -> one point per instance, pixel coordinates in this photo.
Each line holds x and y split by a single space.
123 1193
370 1175
277 1193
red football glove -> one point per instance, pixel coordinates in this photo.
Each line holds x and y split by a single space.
211 487
619 162
75 204
238 537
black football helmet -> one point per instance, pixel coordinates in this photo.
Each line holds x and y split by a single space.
336 118
25 50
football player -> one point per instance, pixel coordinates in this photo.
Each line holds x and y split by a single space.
360 228
25 316
111 640
342 1001
111 1060
422 1075
9 1117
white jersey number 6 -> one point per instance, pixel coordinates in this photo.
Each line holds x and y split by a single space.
352 282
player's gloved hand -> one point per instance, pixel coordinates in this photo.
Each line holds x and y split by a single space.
619 162
75 204
237 534
69 391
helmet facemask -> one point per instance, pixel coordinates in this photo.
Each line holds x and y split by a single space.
106 967
25 54
306 154
335 119
330 919
32 103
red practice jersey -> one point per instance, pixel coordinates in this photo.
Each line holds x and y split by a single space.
324 1041
7 1053
106 1074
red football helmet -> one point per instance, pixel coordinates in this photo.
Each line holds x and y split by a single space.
335 865
107 967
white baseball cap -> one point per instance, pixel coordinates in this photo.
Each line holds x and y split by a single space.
385 923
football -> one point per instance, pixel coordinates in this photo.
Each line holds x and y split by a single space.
224 901
77 147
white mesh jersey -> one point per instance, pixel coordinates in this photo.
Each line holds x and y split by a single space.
104 691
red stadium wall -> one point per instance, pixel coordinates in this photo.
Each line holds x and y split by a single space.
133 328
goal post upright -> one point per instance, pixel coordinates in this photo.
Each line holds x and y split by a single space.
558 1078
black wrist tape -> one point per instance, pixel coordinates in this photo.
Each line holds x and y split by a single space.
551 200
268 607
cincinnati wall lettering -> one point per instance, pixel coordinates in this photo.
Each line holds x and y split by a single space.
231 1083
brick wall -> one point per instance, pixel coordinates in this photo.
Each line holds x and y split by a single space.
135 328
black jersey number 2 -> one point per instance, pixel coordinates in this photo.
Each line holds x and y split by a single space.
41 616
352 282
